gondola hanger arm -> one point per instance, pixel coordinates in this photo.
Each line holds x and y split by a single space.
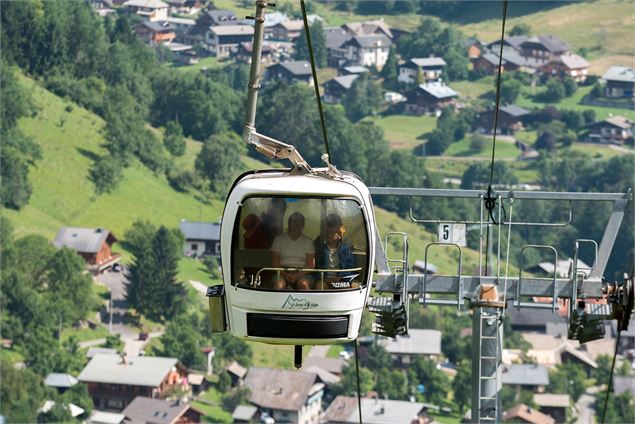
275 149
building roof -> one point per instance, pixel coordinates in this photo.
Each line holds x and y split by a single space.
75 410
195 379
325 377
368 27
222 16
150 4
297 68
138 371
417 342
237 369
527 414
549 399
101 417
60 380
158 26
580 355
180 21
619 73
355 69
420 265
525 375
622 384
425 62
280 389
369 41
292 24
232 30
97 350
514 110
157 411
193 230
549 42
345 81
562 267
513 41
85 240
244 413
335 37
533 318
572 61
332 365
438 90
617 121
344 409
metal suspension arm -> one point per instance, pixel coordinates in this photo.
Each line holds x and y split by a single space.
268 146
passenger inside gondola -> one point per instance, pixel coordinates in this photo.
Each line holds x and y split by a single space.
333 254
293 250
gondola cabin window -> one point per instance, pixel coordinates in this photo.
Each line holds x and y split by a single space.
300 244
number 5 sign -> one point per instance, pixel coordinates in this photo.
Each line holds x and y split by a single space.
452 233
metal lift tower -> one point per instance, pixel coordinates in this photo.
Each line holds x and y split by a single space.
488 295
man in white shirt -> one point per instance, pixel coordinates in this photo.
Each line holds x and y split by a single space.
293 250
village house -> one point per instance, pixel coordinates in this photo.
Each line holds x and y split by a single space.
510 119
222 40
555 406
525 414
157 411
419 342
156 33
334 38
375 27
181 25
527 376
429 98
620 82
236 373
567 65
612 130
60 381
344 410
103 8
244 52
207 19
289 72
543 48
201 238
244 414
185 7
430 69
286 396
510 44
287 30
352 70
336 88
92 244
367 50
151 10
113 381
474 47
103 417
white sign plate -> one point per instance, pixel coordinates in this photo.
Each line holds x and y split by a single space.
452 233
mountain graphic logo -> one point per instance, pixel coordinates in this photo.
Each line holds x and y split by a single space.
295 303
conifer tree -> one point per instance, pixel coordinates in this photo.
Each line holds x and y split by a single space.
389 72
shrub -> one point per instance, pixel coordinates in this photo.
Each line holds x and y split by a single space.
106 174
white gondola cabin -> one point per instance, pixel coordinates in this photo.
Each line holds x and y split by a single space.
260 242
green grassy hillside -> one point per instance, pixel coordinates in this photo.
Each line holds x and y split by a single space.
71 139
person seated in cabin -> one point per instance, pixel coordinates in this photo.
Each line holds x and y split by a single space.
254 238
293 250
335 254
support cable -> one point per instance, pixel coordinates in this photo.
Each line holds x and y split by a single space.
359 390
608 386
314 74
490 200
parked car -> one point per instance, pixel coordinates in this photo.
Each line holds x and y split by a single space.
143 336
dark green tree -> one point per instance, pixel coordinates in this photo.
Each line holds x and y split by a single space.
229 348
510 90
59 413
436 383
567 378
462 385
235 397
391 384
520 29
362 99
619 409
15 187
554 91
318 40
138 238
390 71
377 358
106 174
22 393
219 160
173 138
182 340
348 383
78 394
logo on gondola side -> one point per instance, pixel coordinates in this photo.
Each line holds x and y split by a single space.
298 304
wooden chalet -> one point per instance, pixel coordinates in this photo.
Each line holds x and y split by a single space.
156 33
612 130
367 50
567 65
429 99
287 30
431 69
113 381
543 48
510 119
92 244
150 10
185 7
157 411
293 71
221 41
336 88
620 82
244 51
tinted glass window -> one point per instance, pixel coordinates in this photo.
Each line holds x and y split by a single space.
300 244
